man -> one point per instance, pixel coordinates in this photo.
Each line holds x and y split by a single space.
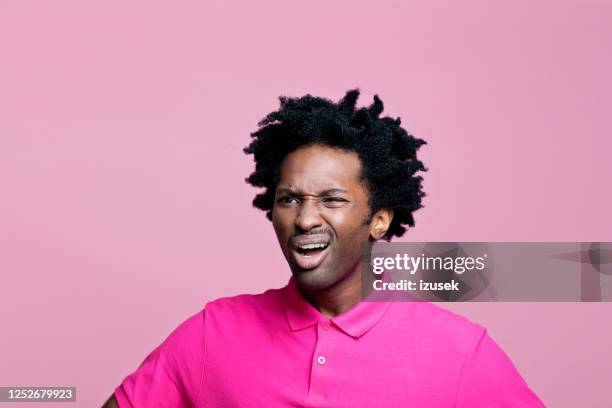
334 177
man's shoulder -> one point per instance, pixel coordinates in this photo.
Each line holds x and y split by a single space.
437 323
245 304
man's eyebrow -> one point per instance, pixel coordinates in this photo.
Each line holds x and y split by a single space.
324 192
332 190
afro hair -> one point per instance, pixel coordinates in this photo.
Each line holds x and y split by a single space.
387 152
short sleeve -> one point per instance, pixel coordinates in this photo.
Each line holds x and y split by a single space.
490 380
171 375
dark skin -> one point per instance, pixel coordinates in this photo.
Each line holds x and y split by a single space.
321 197
111 403
320 194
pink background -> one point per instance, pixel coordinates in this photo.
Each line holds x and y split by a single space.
122 202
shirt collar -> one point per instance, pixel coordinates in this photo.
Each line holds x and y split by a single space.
355 322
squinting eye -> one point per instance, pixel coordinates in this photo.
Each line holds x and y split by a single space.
334 200
286 200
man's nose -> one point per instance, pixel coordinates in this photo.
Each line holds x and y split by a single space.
308 217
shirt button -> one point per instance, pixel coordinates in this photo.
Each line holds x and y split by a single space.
325 326
321 360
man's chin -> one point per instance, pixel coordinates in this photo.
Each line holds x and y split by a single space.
314 279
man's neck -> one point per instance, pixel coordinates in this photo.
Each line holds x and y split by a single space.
338 298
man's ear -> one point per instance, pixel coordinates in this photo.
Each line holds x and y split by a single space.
380 223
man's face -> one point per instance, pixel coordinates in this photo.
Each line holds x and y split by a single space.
320 214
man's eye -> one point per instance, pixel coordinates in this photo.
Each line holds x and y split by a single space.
287 200
334 200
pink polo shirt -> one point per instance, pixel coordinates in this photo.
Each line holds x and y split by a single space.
276 350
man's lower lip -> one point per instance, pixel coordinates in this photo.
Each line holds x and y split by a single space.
309 261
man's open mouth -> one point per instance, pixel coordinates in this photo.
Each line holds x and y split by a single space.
309 254
312 249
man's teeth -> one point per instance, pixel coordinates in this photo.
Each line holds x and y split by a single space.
313 246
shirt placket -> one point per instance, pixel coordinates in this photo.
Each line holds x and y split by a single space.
321 363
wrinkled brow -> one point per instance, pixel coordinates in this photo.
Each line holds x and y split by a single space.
328 191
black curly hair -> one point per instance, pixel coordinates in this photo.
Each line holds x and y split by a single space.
387 152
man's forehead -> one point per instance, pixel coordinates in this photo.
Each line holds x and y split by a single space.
296 189
315 179
319 184
320 162
319 168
